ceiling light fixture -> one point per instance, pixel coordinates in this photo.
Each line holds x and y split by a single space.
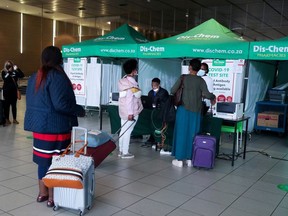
187 13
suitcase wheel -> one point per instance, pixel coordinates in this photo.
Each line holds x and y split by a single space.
55 208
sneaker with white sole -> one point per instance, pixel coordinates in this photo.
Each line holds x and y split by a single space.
127 156
163 152
189 163
119 154
177 163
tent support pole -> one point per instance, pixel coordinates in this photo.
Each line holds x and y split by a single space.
246 78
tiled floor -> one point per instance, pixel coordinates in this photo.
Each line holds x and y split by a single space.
149 185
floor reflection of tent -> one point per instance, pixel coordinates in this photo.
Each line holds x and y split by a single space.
283 187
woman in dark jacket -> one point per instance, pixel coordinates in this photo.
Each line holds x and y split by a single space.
10 75
51 112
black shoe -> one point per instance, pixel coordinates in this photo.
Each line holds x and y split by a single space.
146 145
150 142
137 137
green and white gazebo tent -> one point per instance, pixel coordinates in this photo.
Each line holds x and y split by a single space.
207 40
269 50
120 43
95 64
267 69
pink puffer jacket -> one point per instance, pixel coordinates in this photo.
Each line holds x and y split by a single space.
129 97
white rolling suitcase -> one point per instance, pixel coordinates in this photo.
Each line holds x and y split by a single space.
78 199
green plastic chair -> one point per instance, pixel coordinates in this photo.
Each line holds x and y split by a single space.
239 131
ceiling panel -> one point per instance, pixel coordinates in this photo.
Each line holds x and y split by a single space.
254 19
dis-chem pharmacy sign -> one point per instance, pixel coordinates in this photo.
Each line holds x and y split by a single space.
268 51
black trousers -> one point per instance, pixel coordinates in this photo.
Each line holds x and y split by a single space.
10 101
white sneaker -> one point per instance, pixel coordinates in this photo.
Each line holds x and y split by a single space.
165 152
153 146
119 154
189 163
177 163
127 156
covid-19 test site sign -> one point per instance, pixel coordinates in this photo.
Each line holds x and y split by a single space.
227 76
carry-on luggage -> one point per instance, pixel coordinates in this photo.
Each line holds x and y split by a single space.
78 199
204 151
212 125
99 153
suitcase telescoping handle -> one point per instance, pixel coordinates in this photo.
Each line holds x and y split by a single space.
125 130
74 129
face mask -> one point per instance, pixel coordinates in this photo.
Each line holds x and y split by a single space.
201 73
155 90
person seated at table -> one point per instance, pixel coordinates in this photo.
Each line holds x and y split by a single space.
158 96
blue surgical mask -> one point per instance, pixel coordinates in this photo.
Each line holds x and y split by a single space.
201 73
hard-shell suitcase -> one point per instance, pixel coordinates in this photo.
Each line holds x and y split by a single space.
204 151
78 199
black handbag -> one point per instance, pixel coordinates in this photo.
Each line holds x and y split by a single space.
177 100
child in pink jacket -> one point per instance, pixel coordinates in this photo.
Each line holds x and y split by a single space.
130 106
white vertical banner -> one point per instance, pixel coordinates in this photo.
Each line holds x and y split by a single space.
228 78
77 74
93 82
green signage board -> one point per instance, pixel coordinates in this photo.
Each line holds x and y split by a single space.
269 50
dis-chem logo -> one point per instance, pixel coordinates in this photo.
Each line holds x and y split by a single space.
270 49
197 36
71 50
110 38
152 49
